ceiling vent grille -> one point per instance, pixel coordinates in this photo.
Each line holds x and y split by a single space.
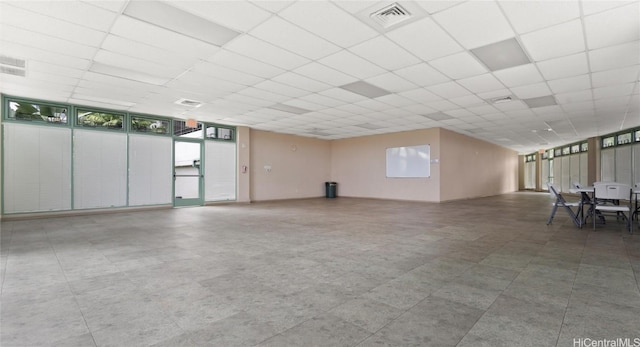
391 15
190 103
13 66
502 100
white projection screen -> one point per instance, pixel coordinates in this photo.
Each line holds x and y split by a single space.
409 162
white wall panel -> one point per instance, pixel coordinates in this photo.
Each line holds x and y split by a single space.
584 169
566 174
220 171
557 172
150 170
574 170
545 173
636 164
607 165
100 169
37 168
623 165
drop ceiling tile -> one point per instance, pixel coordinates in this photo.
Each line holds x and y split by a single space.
265 52
570 84
110 5
152 35
302 82
581 96
422 75
134 64
322 100
615 56
613 27
571 65
374 105
282 89
274 6
462 113
395 100
556 41
263 94
443 105
519 75
437 6
325 74
527 16
615 76
45 42
481 83
342 94
123 46
351 64
498 93
473 30
56 70
238 15
77 12
221 72
621 102
305 105
531 91
591 7
353 7
511 106
241 63
245 99
343 30
420 95
459 65
483 109
425 39
281 33
467 101
383 52
613 91
391 82
448 90
36 54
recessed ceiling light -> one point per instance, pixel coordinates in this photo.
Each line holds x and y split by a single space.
501 55
365 89
502 100
438 116
541 101
290 109
187 102
166 16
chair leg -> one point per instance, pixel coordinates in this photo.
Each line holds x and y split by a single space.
553 213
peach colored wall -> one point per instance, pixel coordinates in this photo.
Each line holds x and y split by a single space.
472 168
299 166
359 166
244 159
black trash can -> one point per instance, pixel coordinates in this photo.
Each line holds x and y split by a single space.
331 189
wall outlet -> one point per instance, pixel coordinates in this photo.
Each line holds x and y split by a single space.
267 168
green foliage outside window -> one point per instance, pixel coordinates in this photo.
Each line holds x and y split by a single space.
145 125
100 119
36 112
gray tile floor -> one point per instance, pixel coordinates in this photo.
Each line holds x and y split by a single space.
320 272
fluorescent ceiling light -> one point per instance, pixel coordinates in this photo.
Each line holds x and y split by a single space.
541 101
501 55
290 109
168 17
502 100
127 74
365 89
438 116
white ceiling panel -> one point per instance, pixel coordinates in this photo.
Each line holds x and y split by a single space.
45 42
241 63
267 53
481 83
391 82
420 95
571 65
613 27
459 65
591 7
425 39
422 75
293 38
344 30
349 63
527 16
342 94
613 91
556 41
353 6
498 93
81 13
115 59
120 45
56 70
615 56
467 100
238 15
302 82
581 96
395 100
531 91
223 73
325 74
32 53
616 76
519 75
263 94
472 30
305 105
570 84
435 6
245 99
443 105
375 50
322 100
282 89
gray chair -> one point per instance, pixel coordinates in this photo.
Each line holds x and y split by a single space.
615 198
559 201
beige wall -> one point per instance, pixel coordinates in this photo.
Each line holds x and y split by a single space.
299 166
472 168
244 159
359 166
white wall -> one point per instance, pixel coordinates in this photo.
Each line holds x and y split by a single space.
150 170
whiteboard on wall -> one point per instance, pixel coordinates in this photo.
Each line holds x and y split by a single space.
410 161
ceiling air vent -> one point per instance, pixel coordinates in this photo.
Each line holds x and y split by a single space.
190 103
502 100
12 66
391 15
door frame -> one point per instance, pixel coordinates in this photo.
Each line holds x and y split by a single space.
199 201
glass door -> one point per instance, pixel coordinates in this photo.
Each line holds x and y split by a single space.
187 173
